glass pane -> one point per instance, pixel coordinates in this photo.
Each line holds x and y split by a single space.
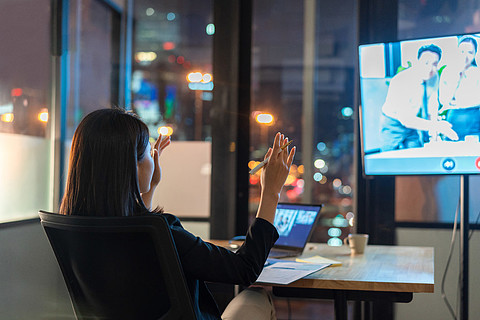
93 59
422 199
93 63
422 19
24 108
333 164
172 40
277 69
172 92
282 87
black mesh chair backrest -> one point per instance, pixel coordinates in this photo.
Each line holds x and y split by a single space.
119 267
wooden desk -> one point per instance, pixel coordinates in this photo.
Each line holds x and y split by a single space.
382 273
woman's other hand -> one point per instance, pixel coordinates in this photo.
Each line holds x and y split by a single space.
160 144
157 149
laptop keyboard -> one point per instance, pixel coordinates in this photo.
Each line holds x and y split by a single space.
281 254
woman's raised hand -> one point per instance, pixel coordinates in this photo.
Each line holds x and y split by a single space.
275 172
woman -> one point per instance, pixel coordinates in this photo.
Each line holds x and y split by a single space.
114 172
458 90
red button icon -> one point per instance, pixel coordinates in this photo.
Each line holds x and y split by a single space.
477 163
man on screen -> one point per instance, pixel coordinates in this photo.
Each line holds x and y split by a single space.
410 112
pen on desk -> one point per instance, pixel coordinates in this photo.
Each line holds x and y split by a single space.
264 162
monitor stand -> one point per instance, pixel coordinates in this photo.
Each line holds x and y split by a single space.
464 245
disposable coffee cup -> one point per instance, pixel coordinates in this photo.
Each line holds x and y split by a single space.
357 242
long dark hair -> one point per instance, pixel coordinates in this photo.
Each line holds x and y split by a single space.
473 42
102 177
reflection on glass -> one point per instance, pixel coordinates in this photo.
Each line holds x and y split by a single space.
279 90
94 55
172 91
172 82
24 108
437 18
25 76
422 195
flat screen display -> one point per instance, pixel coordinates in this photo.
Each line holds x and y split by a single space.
420 106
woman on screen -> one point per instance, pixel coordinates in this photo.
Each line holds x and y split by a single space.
459 87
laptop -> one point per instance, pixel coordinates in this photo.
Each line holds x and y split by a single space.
294 223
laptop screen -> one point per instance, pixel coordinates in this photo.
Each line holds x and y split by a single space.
294 223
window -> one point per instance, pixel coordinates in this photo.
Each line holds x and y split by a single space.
24 108
172 92
422 198
94 41
422 19
309 93
89 80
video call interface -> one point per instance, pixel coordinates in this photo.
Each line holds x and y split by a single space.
420 106
294 224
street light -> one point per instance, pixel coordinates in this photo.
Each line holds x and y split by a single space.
43 115
200 81
194 77
7 117
265 120
165 130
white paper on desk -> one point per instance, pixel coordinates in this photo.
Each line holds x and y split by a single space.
288 271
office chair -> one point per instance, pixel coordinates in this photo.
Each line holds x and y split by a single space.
119 267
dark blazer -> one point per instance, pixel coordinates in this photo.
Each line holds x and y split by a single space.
203 261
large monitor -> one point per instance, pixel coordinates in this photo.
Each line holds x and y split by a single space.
420 106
